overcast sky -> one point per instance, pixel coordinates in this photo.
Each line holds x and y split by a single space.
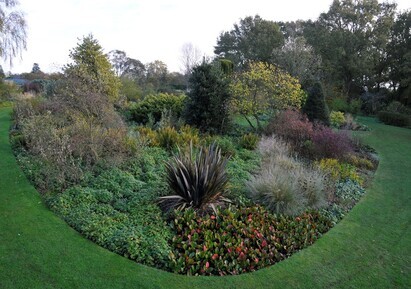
146 30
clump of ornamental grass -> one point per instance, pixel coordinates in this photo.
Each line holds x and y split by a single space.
285 185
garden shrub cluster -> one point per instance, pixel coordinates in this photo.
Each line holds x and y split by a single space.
292 126
312 140
117 210
169 137
330 144
395 114
339 171
154 105
69 134
181 192
345 106
240 240
394 118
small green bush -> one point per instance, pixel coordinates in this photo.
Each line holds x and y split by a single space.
168 138
189 135
155 104
334 213
339 171
240 169
118 212
337 119
339 104
249 141
398 107
225 143
239 240
394 118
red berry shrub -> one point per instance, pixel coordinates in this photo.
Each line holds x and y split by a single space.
239 240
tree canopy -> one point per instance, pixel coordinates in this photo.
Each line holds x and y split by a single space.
264 88
93 68
351 39
253 39
12 30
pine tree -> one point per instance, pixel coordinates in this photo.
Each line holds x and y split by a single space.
208 98
315 107
93 68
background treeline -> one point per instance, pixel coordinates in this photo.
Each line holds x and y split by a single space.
359 50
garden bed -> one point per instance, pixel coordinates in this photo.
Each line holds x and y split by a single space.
117 207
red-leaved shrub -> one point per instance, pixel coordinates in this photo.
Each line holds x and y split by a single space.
330 144
292 126
239 240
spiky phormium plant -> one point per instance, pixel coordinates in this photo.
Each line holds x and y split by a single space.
199 180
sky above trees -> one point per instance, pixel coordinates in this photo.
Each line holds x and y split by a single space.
145 30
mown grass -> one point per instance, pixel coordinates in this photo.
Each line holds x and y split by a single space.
370 248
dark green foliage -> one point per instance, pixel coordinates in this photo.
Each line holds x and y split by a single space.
239 240
208 98
253 39
199 180
394 118
117 210
249 141
227 66
351 38
154 105
93 69
399 56
316 108
136 230
225 143
240 168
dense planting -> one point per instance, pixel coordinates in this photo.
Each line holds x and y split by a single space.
240 240
162 188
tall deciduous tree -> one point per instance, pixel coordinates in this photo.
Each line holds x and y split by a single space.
12 30
92 67
253 39
299 59
125 66
264 88
208 99
118 60
399 56
156 75
190 57
36 68
351 39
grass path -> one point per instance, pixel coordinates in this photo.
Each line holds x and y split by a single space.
370 248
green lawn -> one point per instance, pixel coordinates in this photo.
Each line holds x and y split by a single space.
370 248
